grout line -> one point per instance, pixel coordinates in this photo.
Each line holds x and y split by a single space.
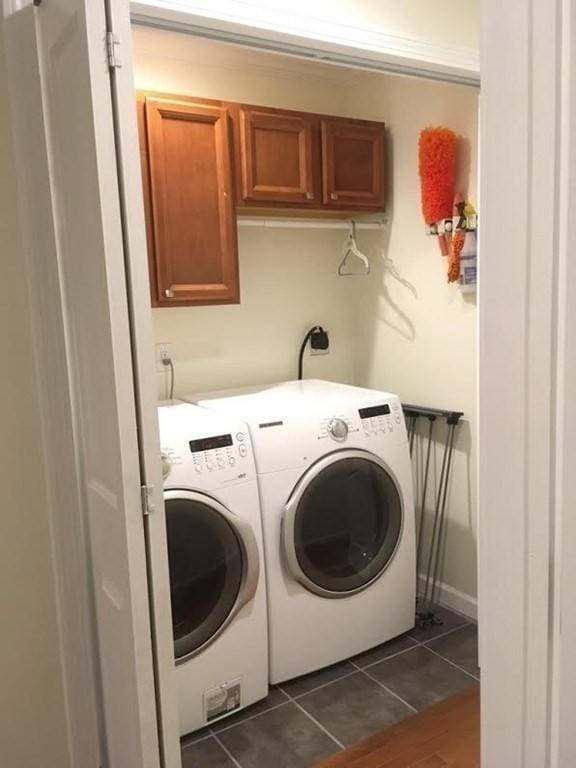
226 750
389 690
316 722
442 634
452 663
252 717
319 687
385 658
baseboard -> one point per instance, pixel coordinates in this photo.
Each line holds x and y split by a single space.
453 599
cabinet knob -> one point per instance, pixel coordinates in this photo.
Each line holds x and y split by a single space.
309 195
333 196
169 293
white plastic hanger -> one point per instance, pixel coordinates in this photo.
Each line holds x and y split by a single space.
392 269
351 249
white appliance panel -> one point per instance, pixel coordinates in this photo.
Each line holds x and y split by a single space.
231 670
295 427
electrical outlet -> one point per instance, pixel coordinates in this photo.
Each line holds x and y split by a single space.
163 352
319 341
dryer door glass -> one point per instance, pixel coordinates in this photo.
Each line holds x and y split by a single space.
206 561
347 525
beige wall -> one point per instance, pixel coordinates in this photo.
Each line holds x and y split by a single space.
32 724
423 348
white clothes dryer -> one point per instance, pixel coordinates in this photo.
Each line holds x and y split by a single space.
215 556
337 506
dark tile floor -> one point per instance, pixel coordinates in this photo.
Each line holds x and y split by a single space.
305 720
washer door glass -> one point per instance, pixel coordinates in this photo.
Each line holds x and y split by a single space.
206 561
347 525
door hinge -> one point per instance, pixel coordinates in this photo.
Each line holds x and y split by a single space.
112 46
146 492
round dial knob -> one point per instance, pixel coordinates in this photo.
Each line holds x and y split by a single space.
338 429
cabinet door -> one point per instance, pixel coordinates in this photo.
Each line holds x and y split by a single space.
353 164
278 154
192 216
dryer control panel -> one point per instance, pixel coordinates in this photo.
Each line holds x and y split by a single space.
370 421
379 419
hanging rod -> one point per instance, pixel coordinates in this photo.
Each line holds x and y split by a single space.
285 223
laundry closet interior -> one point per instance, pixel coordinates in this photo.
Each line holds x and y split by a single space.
284 220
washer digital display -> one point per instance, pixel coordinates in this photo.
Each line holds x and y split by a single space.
210 443
373 411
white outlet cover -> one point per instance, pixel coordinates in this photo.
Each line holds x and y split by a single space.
162 351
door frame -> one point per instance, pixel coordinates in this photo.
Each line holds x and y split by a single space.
112 593
526 415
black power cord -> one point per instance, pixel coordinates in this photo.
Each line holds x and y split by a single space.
318 339
167 361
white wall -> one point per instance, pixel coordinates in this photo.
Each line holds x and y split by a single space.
32 723
382 337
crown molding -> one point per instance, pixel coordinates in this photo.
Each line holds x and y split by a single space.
249 24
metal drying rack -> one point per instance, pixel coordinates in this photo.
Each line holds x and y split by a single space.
427 605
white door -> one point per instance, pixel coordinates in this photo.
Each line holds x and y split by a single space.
92 334
563 737
528 384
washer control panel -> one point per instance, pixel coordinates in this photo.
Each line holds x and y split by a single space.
217 453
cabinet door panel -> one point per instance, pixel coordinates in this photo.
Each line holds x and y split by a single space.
278 152
192 212
353 164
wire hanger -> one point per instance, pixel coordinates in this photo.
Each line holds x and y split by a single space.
351 249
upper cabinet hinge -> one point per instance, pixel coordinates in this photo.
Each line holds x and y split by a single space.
112 50
147 492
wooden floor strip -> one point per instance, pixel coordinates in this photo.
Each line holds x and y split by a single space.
446 735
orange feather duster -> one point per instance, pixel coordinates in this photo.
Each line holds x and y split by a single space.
437 166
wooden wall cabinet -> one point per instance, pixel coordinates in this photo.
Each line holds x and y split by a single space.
202 159
189 201
309 162
278 157
353 157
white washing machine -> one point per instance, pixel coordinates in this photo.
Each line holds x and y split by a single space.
217 578
338 518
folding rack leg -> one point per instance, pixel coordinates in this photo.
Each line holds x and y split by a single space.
436 576
426 614
431 420
412 432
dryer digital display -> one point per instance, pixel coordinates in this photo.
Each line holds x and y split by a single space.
210 443
374 411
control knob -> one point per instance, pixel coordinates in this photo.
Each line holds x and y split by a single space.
338 429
